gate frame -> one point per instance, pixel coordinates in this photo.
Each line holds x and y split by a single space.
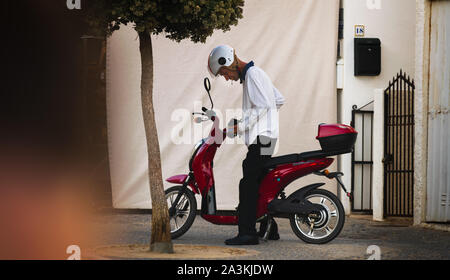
355 110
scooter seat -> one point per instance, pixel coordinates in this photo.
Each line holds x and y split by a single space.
292 158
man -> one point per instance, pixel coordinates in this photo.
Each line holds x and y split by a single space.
259 127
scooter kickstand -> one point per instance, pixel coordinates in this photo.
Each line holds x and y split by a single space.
269 227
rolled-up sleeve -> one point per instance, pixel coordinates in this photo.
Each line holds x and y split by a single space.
279 99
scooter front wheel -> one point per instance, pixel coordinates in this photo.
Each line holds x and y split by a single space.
320 228
182 218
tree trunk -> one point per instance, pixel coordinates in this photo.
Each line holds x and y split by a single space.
160 237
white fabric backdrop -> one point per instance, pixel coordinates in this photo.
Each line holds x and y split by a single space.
294 41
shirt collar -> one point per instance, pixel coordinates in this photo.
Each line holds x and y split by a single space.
244 71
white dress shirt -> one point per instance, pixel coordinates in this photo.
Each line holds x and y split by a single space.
260 104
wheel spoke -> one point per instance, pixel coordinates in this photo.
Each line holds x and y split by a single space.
181 203
175 220
183 212
333 213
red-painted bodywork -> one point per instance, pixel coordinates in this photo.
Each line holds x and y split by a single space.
280 177
221 220
272 184
326 130
202 163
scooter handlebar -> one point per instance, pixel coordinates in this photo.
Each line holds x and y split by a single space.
211 115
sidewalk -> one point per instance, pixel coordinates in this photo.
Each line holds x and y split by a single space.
395 239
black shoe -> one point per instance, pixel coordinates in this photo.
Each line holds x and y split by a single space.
273 234
243 240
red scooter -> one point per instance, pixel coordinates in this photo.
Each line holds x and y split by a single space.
316 215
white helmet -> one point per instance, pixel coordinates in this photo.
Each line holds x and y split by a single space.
222 55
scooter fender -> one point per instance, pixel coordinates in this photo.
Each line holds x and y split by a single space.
295 203
177 179
184 180
301 193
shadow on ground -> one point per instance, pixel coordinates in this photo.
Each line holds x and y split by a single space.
395 240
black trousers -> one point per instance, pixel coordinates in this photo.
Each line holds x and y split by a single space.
253 170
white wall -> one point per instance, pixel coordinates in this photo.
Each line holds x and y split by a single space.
293 41
423 16
393 22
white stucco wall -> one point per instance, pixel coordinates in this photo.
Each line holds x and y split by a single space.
393 22
378 166
421 108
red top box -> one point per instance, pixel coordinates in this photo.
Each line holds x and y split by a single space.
336 137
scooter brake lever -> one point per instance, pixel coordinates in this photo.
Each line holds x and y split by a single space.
198 113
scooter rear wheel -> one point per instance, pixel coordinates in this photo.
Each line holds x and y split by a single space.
320 228
184 215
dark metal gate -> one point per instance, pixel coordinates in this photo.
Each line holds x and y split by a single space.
362 121
399 146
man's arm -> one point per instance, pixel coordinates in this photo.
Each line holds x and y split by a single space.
260 105
279 99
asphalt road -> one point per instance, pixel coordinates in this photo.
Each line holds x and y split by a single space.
395 240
